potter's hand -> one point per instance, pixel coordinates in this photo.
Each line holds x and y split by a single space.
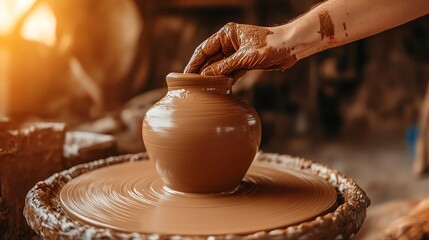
236 48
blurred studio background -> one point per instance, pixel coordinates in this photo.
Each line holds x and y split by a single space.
97 66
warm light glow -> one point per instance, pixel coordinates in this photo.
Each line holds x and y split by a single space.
40 26
10 11
4 81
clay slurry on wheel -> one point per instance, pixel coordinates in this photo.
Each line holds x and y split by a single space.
130 197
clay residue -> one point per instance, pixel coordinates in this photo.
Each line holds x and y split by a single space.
252 35
234 37
246 48
227 41
270 58
327 28
282 56
345 29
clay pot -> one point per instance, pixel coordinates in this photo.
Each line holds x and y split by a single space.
201 138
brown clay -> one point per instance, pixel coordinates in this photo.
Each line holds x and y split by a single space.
45 216
200 137
226 42
132 198
345 29
239 47
282 56
327 28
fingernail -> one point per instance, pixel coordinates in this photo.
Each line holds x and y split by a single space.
208 71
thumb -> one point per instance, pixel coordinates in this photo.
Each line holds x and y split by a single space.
225 66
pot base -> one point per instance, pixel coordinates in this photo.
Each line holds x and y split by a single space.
130 197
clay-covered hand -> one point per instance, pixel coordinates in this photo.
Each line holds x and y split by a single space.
236 48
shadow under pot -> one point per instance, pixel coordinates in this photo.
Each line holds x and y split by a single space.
201 138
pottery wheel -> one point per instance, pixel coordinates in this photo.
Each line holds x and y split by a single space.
130 197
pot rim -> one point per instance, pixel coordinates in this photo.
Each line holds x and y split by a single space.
180 80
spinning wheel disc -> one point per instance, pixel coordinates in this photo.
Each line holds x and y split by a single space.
130 197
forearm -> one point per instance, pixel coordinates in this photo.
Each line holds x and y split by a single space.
337 22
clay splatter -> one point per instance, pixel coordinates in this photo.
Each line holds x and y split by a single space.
282 56
327 28
345 29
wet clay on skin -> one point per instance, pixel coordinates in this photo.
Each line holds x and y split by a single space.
245 46
327 28
130 197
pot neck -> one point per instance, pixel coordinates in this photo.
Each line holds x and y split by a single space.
191 81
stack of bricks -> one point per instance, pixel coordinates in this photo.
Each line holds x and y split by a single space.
28 154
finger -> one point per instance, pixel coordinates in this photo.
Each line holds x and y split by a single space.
228 39
220 42
218 56
204 51
225 66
